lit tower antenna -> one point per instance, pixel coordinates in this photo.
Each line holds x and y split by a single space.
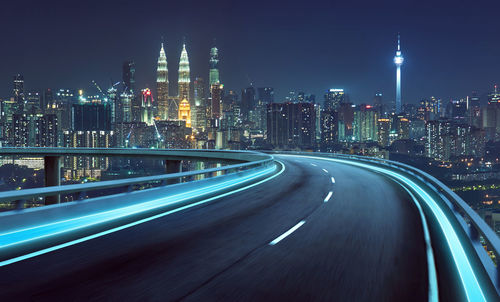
162 85
398 60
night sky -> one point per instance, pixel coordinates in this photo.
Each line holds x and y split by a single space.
450 48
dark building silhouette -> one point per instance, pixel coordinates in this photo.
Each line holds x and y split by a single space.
91 117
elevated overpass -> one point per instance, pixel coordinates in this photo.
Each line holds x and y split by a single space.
294 226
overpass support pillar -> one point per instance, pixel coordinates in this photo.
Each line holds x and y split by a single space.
52 165
173 166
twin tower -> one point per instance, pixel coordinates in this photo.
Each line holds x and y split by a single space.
162 83
184 82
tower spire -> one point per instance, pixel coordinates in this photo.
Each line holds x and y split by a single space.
162 84
398 60
213 64
184 74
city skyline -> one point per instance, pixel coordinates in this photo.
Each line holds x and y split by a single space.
249 150
361 63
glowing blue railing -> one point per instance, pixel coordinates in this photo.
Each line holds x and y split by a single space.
19 197
31 232
465 218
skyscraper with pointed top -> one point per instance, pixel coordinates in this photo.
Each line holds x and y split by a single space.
214 66
162 85
184 77
398 60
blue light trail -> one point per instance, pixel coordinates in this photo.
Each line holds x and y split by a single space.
468 277
41 232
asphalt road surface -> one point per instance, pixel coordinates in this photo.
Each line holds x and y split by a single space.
321 231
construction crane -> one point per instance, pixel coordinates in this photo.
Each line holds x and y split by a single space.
98 88
158 136
105 94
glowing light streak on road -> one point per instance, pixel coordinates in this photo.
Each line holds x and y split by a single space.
468 278
121 213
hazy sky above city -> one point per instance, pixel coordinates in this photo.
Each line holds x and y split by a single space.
450 47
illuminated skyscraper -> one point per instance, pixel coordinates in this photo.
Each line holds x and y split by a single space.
365 124
18 92
474 110
377 103
162 85
184 78
334 97
185 112
398 60
329 129
147 107
124 108
214 68
383 129
200 110
493 97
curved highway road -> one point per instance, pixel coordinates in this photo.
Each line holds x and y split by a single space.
286 239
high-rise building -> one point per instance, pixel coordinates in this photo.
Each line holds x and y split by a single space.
398 60
199 113
217 93
365 124
429 109
20 130
384 127
34 130
276 125
247 101
378 103
185 112
257 117
445 139
214 66
91 117
494 96
333 98
124 108
400 127
32 100
346 120
199 92
301 96
112 100
329 129
291 125
148 107
459 110
266 95
18 93
162 85
417 129
184 76
48 131
47 100
128 72
301 118
474 110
